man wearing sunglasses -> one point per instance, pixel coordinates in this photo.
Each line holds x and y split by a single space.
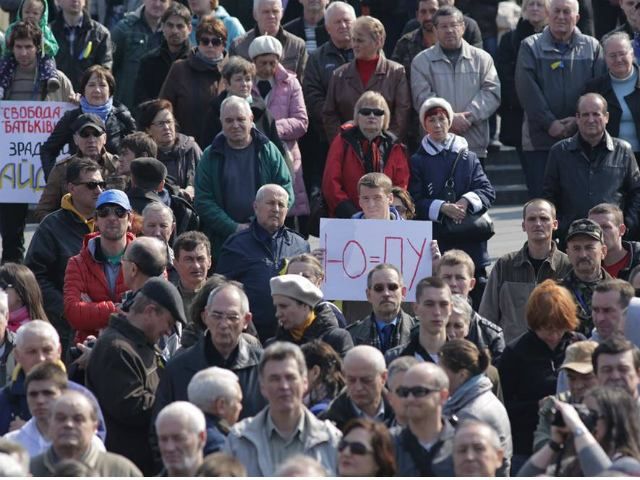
94 281
90 138
424 447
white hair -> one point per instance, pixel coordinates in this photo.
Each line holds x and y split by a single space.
575 6
39 328
158 207
300 466
270 186
338 5
257 3
492 435
209 384
190 415
460 305
4 304
244 300
234 101
371 355
621 36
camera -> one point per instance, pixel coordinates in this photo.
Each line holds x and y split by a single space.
588 417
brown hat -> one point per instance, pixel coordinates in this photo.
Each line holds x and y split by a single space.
584 226
578 355
296 287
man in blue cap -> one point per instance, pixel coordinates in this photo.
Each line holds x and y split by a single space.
94 281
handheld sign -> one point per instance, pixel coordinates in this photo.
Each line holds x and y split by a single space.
24 127
354 247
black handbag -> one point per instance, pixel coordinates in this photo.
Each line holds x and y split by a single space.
476 227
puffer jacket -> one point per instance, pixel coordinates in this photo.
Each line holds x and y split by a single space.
346 164
345 88
248 442
181 161
85 276
474 400
119 124
286 104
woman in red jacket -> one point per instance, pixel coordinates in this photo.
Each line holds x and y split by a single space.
361 147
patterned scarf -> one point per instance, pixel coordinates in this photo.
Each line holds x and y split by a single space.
103 111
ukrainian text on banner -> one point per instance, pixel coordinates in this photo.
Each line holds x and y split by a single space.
354 247
24 127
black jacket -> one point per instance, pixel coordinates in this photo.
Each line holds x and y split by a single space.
634 249
325 327
186 217
9 343
412 349
119 124
181 368
341 410
91 47
486 334
296 26
365 332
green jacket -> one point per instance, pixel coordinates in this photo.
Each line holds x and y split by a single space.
272 168
49 42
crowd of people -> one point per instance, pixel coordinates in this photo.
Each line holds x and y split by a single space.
168 316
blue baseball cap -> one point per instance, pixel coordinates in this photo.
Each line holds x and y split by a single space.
116 197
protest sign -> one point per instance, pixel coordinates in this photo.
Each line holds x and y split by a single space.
354 247
24 127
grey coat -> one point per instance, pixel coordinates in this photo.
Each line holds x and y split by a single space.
364 331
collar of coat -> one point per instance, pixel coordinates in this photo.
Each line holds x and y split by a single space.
573 143
523 256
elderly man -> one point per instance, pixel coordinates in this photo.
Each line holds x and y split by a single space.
256 254
285 427
365 376
592 167
268 15
90 138
158 221
437 72
616 363
223 194
181 429
515 275
387 326
303 316
225 317
476 450
395 376
586 250
36 341
552 69
93 281
125 353
217 393
145 257
424 446
609 305
73 424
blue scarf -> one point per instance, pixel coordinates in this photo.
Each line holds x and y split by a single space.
102 111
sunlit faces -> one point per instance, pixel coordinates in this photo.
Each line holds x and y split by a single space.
40 396
449 31
158 224
266 65
271 210
433 309
339 26
24 51
539 222
437 126
424 13
536 12
580 383
90 142
458 277
356 458
192 266
112 227
365 47
72 424
282 384
180 447
268 15
97 91
618 370
457 326
35 349
32 11
289 312
176 31
474 454
592 118
618 55
240 85
374 202
563 17
237 121
84 198
225 319
607 313
386 294
163 128
611 231
586 254
364 383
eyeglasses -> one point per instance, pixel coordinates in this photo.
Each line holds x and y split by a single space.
118 211
163 123
417 392
89 133
379 287
219 316
213 41
365 112
92 185
356 448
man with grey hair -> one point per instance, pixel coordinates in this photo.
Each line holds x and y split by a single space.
232 169
365 375
7 341
268 15
217 392
254 255
424 447
300 466
181 430
310 25
225 317
395 376
476 450
285 427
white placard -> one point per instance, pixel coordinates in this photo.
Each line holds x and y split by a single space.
354 247
24 127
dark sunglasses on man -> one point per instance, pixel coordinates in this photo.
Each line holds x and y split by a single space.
417 392
105 211
213 41
92 185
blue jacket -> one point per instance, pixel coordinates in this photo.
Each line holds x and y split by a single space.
252 257
216 434
429 173
232 24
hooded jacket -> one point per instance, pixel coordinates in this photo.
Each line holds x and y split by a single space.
181 161
49 43
232 24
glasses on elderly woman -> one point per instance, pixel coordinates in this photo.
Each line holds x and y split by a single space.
365 112
213 41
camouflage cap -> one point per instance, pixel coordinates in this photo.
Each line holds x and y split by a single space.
584 226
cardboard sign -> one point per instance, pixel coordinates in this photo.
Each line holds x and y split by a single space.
354 247
24 127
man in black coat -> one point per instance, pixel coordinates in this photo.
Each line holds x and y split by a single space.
310 25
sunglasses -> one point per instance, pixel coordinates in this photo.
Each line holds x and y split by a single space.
89 133
356 448
92 185
379 287
365 112
417 392
104 212
213 41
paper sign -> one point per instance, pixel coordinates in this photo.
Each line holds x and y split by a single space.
354 247
24 127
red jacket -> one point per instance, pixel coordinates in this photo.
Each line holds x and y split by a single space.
85 275
345 166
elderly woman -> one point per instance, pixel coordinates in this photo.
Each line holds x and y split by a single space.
368 71
302 316
529 365
282 93
178 152
195 81
366 450
362 147
431 167
97 86
621 89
